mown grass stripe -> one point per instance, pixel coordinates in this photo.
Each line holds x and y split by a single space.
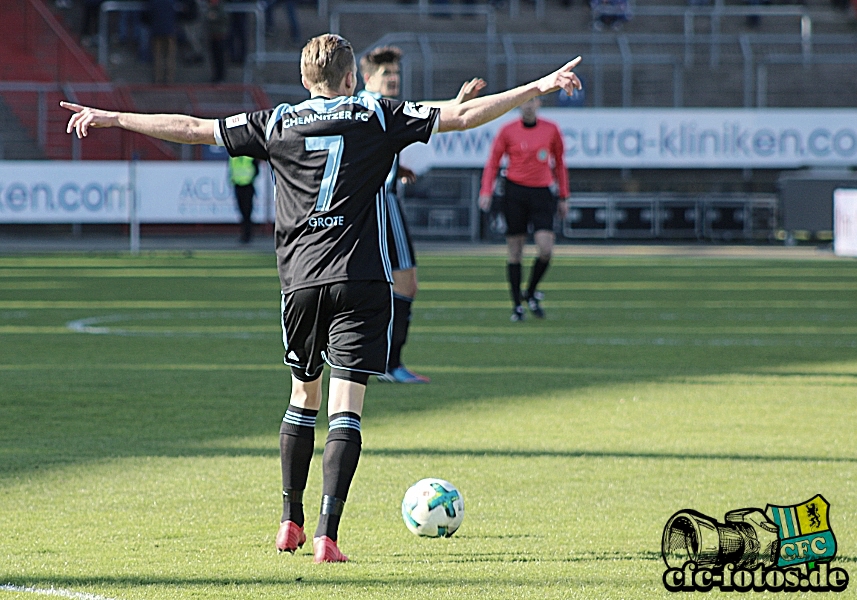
665 285
512 331
675 330
436 304
146 272
274 366
131 304
691 284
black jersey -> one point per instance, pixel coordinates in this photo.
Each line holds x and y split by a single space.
392 177
330 159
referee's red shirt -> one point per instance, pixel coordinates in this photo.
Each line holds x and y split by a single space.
535 157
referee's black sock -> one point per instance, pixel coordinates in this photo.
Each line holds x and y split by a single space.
297 441
401 324
513 271
539 268
341 454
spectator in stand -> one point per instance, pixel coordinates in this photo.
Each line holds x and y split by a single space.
291 13
190 23
89 24
609 13
163 24
236 42
217 22
755 21
134 31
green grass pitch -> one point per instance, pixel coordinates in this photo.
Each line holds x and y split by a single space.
140 401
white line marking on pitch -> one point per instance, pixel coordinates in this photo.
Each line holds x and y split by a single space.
52 592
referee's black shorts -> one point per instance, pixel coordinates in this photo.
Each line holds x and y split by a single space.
347 325
523 205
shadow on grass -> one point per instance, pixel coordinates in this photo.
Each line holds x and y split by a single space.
59 417
323 575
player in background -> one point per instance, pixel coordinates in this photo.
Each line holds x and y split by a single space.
380 69
330 156
534 150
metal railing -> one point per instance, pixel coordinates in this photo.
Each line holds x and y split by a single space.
605 53
116 6
786 59
709 216
715 14
424 8
485 10
41 91
45 120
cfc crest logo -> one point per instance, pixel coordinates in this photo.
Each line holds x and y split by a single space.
804 532
783 548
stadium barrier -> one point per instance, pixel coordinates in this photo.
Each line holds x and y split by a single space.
505 60
727 217
128 192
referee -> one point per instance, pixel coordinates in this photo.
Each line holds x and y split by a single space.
330 156
535 151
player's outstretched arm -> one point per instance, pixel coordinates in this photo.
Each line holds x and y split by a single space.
182 129
479 111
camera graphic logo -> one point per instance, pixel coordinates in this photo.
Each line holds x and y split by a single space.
783 548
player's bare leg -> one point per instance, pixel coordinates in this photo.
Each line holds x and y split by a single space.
544 241
405 289
297 443
341 455
515 248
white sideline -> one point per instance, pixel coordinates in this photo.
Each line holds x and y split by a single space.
53 592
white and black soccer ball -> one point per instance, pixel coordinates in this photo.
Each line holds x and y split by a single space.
433 508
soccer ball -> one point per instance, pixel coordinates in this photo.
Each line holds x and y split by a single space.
433 508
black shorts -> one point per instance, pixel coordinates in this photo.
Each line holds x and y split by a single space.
524 205
347 325
399 245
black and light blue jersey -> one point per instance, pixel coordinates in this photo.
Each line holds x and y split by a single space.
330 159
390 182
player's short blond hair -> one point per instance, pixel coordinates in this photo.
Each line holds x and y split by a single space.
377 57
326 59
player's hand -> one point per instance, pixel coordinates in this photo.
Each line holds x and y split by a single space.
485 203
470 89
405 175
562 208
84 117
563 78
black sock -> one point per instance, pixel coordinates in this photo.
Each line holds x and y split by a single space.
513 271
401 323
341 454
539 268
297 441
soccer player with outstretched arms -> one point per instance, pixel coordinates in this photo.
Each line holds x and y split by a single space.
330 156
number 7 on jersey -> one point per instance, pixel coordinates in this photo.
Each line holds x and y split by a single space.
334 146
